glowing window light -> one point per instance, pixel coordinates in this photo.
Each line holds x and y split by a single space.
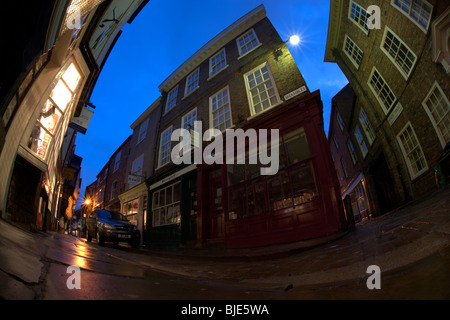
61 95
72 77
50 117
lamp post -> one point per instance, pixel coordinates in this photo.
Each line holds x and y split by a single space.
293 40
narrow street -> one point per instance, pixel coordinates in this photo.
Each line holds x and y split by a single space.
411 247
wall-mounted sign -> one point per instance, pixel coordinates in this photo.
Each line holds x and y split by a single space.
81 123
294 93
395 113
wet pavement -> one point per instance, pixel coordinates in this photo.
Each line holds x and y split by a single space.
410 246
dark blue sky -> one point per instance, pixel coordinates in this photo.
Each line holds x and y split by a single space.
168 32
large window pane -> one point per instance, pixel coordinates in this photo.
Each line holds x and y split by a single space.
50 116
235 173
61 95
296 146
303 183
72 77
255 197
39 141
278 189
236 202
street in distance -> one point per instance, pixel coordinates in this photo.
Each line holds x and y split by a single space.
232 310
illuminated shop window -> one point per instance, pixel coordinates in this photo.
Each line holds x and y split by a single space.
53 111
130 210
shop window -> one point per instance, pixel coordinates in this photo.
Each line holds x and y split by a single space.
130 210
53 111
296 146
166 205
250 193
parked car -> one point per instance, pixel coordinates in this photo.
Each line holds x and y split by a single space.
72 227
106 225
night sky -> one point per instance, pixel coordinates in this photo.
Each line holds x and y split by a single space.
164 35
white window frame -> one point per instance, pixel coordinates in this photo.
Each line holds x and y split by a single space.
184 125
336 143
171 99
53 138
377 94
169 142
366 126
356 50
446 115
344 167
360 139
250 32
173 204
190 87
352 151
248 89
138 172
113 189
364 28
223 106
409 16
406 153
395 59
143 131
117 161
340 120
211 66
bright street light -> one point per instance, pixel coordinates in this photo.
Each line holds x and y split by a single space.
294 39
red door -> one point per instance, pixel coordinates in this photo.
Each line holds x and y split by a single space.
216 215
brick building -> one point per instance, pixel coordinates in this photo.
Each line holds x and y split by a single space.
345 157
117 175
243 78
400 119
140 166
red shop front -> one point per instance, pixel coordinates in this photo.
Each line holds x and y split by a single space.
242 208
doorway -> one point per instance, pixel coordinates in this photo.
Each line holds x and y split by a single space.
215 207
384 185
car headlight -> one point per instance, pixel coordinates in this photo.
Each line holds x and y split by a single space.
107 226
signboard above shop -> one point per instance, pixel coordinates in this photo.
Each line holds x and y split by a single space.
81 122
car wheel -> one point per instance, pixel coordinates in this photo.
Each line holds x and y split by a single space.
100 241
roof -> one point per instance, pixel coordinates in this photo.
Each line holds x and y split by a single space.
213 45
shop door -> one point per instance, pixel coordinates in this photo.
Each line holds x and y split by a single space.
384 185
216 216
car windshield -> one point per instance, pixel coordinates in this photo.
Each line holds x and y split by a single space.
113 215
